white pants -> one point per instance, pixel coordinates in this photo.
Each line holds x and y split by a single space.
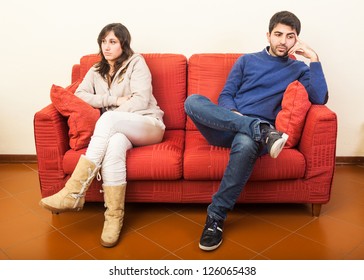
115 133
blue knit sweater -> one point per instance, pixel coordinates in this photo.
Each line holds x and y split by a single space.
257 81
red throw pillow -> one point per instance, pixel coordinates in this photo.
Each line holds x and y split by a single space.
291 118
81 116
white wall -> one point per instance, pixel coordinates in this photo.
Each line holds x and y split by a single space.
41 40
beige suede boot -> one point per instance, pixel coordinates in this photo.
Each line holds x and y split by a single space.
114 215
72 196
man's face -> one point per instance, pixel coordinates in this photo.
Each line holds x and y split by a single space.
281 40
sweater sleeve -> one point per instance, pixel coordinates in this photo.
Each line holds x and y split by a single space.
315 83
232 85
140 87
86 91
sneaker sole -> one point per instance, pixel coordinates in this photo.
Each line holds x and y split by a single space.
278 146
211 248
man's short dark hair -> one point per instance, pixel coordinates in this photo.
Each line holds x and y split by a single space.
286 18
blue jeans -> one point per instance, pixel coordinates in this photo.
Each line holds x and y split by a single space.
222 127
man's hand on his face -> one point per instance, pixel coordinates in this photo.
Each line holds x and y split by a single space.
303 49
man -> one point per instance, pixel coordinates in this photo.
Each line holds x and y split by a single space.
247 108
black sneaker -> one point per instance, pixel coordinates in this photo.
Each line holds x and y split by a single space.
274 139
212 234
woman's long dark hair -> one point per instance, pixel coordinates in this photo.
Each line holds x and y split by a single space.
122 33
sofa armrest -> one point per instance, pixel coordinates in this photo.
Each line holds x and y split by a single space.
318 143
52 142
75 73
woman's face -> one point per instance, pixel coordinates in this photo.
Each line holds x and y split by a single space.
111 48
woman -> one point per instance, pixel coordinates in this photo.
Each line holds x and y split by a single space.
120 85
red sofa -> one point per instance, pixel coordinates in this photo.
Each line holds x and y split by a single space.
184 168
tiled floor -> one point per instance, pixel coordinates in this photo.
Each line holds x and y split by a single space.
172 231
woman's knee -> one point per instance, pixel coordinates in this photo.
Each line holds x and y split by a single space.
104 121
119 142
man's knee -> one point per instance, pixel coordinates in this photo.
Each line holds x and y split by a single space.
243 143
193 101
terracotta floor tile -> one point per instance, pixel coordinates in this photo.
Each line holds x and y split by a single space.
255 234
178 232
260 258
67 218
356 254
29 198
239 211
21 183
132 246
194 212
13 170
11 208
327 231
172 231
289 216
228 250
351 211
84 256
86 233
358 196
296 247
171 257
33 166
198 212
22 228
139 215
346 187
352 173
336 200
3 193
3 256
53 246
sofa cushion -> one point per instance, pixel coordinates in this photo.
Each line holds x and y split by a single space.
81 116
169 73
207 74
161 161
206 162
291 118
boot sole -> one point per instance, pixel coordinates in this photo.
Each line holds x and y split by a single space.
278 146
58 211
109 245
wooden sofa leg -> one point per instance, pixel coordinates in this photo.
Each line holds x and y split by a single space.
316 209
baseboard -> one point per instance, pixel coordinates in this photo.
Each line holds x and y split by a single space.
33 159
350 160
18 158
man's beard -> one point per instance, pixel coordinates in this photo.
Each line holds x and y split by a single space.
280 53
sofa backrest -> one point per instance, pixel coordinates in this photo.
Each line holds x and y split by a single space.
207 74
169 79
